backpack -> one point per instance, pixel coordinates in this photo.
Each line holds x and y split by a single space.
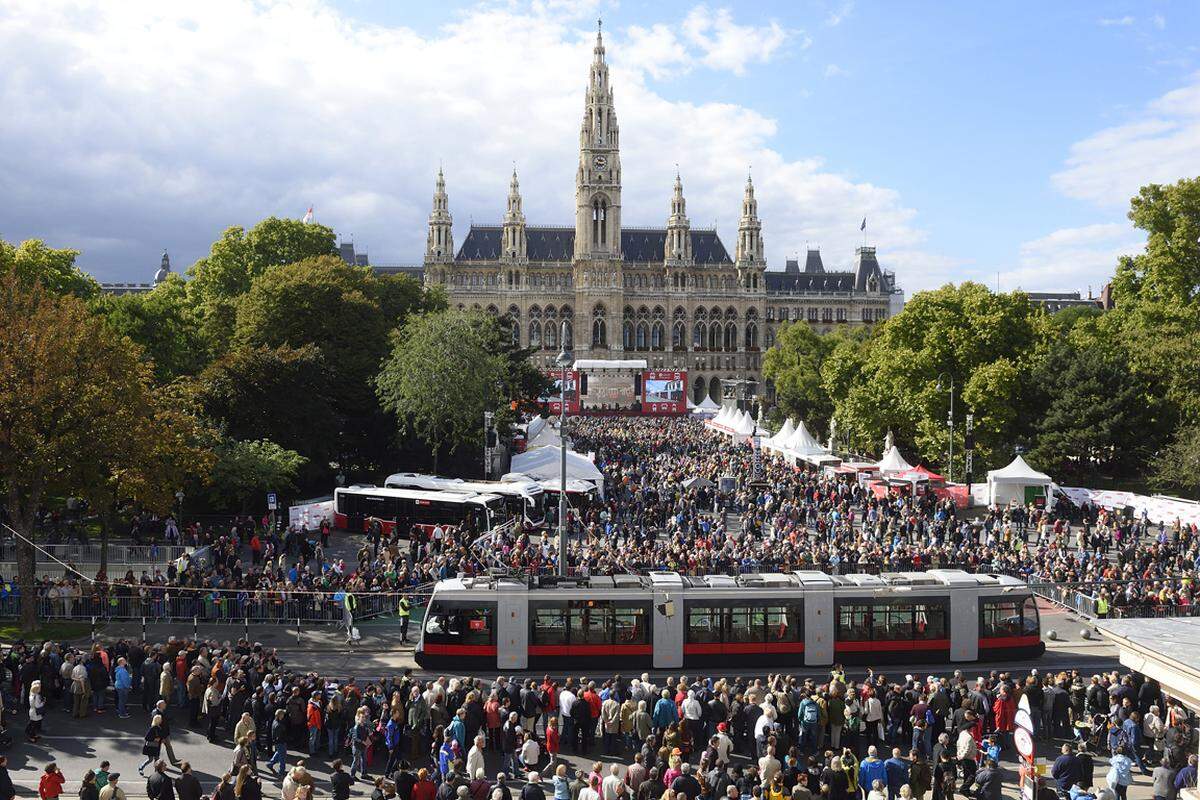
811 713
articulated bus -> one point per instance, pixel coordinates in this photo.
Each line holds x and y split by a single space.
352 506
524 498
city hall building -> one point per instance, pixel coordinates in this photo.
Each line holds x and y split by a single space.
674 296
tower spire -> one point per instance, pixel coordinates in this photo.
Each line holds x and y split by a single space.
514 242
678 249
750 261
439 245
598 179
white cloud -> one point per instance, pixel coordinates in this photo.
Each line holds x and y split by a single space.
1115 22
834 71
1161 145
1073 258
838 15
1159 21
139 125
727 45
655 50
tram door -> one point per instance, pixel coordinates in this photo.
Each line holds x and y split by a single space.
667 630
820 625
964 623
512 627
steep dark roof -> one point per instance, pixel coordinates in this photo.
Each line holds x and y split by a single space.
482 243
805 282
812 263
791 266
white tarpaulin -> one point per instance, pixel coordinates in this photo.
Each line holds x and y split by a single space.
310 515
892 462
544 464
1008 484
546 437
1157 508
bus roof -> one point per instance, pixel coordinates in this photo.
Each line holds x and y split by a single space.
437 483
417 494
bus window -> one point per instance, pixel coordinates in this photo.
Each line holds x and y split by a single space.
704 625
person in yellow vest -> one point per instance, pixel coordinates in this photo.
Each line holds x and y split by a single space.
1102 605
349 606
404 611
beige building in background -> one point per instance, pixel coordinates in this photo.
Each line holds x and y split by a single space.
673 296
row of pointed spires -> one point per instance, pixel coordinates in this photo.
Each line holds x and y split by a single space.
440 247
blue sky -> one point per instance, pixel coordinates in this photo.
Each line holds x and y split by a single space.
976 138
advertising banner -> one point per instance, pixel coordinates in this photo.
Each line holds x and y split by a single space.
554 396
664 392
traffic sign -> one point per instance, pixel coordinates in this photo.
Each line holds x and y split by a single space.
1024 742
1023 720
272 501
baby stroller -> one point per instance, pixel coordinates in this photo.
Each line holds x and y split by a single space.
1092 734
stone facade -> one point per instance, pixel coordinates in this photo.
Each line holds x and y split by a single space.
673 296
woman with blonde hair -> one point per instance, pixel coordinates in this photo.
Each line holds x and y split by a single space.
37 706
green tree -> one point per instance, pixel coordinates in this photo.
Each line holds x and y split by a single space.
1176 467
162 322
1158 293
33 262
237 258
323 302
980 340
444 371
70 390
282 394
1100 418
244 471
794 366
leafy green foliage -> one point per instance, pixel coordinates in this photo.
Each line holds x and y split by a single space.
444 371
162 323
1176 468
246 470
33 262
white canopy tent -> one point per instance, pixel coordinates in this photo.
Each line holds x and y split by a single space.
803 443
893 463
1008 484
706 407
543 464
547 436
784 433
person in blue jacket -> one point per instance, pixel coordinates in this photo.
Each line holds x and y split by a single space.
870 770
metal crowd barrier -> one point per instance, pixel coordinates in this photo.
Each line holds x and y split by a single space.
117 553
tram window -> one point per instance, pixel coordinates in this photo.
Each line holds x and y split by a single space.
929 621
1000 617
549 626
448 624
745 624
784 624
630 626
854 623
704 625
591 625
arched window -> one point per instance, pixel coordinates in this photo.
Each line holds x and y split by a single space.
730 336
599 333
599 222
698 336
627 335
535 334
551 338
642 333
751 335
698 389
714 336
678 332
656 336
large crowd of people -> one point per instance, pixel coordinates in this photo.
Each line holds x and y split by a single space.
784 518
698 737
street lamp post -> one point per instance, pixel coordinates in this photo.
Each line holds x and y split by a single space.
950 422
564 360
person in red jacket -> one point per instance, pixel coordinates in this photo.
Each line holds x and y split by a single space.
313 717
1004 710
51 784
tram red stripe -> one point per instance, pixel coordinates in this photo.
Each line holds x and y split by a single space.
891 646
1010 641
459 649
590 649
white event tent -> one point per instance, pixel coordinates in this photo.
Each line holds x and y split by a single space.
893 463
1008 484
543 464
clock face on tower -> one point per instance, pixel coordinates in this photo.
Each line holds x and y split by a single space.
600 161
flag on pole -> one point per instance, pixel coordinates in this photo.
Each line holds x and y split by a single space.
862 227
308 216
